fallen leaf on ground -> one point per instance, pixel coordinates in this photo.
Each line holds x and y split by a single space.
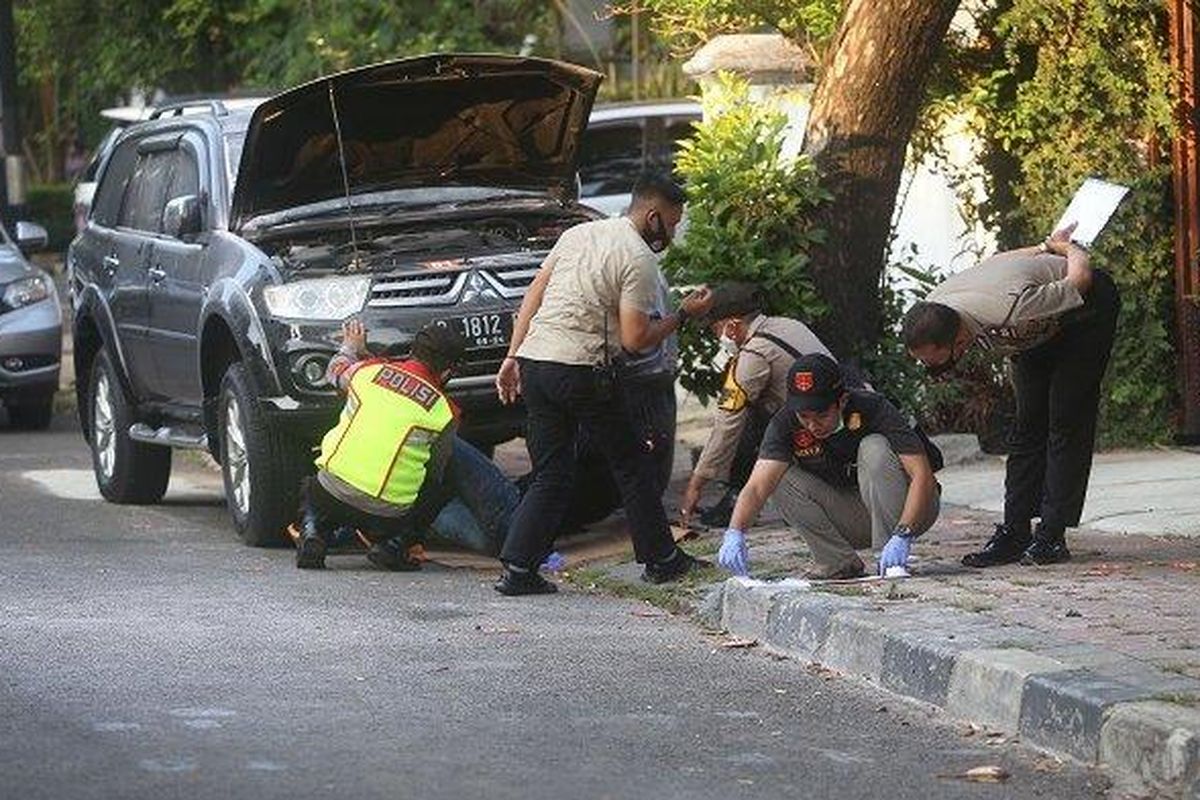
987 774
739 643
648 612
1047 764
682 534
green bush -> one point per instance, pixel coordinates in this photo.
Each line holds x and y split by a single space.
749 212
50 205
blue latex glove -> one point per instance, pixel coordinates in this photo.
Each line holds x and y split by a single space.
733 554
555 562
894 553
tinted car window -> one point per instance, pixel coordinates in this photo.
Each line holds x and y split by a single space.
611 159
147 192
106 208
675 129
185 178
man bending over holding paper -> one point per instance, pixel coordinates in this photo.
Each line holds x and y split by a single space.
1055 317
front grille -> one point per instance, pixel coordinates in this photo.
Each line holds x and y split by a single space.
418 289
512 281
508 276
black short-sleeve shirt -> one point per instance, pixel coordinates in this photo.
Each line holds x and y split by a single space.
833 459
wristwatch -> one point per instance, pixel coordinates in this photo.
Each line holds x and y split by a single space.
904 532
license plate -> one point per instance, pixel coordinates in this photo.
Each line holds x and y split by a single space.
484 330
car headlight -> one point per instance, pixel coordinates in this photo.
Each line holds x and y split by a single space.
318 299
26 291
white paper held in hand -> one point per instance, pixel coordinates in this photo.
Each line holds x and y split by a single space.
1091 208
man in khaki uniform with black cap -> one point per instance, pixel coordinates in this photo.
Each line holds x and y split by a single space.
1056 318
845 469
761 349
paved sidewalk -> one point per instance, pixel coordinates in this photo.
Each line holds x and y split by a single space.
1155 492
1097 659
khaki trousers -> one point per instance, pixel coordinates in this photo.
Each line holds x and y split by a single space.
835 521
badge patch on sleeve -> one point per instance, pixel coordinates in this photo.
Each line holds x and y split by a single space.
732 396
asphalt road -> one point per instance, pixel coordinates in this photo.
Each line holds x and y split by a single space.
145 653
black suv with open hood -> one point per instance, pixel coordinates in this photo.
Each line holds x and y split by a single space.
224 250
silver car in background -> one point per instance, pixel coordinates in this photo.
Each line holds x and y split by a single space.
30 331
624 139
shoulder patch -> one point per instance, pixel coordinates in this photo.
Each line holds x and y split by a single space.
732 396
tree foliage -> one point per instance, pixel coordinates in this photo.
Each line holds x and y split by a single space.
688 24
78 56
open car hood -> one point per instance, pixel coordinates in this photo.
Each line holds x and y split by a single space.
439 120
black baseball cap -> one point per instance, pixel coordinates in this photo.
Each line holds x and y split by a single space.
814 383
735 299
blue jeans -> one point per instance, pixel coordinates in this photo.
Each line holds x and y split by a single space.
481 505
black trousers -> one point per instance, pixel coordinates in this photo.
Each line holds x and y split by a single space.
746 454
561 400
652 411
1057 386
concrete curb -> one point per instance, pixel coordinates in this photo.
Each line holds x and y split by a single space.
1054 697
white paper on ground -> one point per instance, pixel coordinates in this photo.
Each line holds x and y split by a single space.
1091 207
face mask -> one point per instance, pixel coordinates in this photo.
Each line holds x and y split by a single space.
942 369
729 345
658 239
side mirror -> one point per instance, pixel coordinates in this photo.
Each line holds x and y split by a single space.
31 237
181 217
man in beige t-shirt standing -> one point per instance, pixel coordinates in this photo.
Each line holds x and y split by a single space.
1056 318
592 297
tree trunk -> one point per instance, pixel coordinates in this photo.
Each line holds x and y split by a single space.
864 109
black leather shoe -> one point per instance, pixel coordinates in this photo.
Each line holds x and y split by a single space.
385 556
673 569
1047 548
1004 547
310 552
515 584
717 516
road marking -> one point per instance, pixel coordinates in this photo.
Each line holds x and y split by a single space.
202 713
80 484
201 724
183 764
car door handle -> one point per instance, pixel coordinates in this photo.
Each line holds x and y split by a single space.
156 274
112 263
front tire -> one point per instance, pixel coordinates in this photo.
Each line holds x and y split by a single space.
260 467
127 471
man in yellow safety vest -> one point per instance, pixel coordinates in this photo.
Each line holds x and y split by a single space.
394 437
